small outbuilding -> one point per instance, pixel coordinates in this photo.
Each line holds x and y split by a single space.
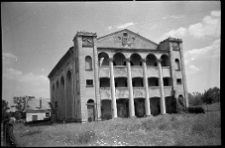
37 109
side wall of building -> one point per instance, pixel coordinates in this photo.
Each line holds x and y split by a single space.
40 116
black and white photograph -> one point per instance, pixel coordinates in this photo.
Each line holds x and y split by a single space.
102 73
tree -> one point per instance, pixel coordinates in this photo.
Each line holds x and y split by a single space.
216 94
5 108
195 99
53 111
19 103
208 97
211 95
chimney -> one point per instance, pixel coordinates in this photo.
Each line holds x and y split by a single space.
40 103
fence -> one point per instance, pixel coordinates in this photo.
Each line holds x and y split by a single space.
8 136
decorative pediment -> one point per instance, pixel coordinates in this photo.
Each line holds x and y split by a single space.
125 39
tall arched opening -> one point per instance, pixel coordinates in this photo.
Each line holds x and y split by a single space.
106 109
139 104
119 59
91 110
122 107
103 59
62 89
155 105
69 94
135 60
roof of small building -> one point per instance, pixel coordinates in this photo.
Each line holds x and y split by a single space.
33 104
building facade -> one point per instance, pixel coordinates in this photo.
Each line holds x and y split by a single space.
121 74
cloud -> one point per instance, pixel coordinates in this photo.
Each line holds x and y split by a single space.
9 55
181 32
211 51
191 69
125 25
14 74
26 84
216 13
173 17
109 28
210 26
8 58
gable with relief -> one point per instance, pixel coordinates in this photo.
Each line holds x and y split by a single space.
125 39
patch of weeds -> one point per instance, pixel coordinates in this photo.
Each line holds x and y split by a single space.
31 132
210 133
164 126
176 124
69 137
197 128
86 137
134 127
148 125
179 142
120 126
173 118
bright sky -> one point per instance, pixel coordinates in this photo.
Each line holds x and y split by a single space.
36 35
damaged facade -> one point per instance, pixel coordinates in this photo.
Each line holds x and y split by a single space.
118 75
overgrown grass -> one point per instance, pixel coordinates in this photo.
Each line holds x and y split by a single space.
162 130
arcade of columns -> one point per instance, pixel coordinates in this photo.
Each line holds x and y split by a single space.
131 98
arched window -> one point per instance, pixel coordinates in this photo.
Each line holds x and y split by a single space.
119 59
135 60
57 85
90 101
165 60
151 60
88 63
103 59
177 64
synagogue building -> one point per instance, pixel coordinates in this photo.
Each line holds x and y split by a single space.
122 74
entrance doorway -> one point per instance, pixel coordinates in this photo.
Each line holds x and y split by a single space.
91 110
34 117
122 108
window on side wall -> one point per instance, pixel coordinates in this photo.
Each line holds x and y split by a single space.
179 81
88 63
89 83
47 114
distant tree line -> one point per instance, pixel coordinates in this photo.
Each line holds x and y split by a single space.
212 95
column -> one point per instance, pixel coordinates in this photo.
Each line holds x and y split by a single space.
162 100
112 85
97 91
131 99
183 74
147 100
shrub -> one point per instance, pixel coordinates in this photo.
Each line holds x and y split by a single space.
196 110
180 106
195 99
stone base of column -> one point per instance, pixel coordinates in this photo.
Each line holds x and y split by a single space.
98 119
132 117
163 113
146 116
